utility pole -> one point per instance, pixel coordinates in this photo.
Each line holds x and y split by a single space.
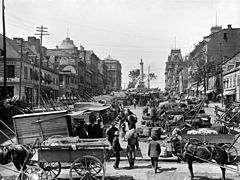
20 75
148 77
221 74
4 54
43 31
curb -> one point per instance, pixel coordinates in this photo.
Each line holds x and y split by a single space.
171 159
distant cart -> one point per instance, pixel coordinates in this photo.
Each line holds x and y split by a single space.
85 158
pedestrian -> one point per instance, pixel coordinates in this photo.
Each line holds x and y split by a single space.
110 132
154 151
134 103
100 127
116 147
131 154
132 120
81 131
92 129
123 130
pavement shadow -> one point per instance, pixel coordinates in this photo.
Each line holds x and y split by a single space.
207 178
136 167
124 153
160 170
121 177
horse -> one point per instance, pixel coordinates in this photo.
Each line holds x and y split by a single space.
194 150
15 153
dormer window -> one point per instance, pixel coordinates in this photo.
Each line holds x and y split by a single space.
225 36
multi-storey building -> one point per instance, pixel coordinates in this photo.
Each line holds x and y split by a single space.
23 66
217 47
66 61
103 71
114 73
173 72
92 62
231 78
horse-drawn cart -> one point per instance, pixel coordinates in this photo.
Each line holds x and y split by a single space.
57 150
227 141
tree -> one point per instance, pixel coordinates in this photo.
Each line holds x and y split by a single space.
152 76
134 77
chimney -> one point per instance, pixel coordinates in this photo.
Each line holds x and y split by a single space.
81 48
229 26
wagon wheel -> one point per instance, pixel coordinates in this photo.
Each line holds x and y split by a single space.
231 152
33 172
52 169
87 167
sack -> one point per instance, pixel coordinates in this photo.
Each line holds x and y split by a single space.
163 152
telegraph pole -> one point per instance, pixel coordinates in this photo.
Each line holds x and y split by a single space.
20 75
4 54
43 31
148 77
221 74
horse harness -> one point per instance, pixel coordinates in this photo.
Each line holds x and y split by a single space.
6 156
191 149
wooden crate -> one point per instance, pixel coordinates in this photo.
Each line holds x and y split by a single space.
28 127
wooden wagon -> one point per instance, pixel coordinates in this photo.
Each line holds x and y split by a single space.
85 157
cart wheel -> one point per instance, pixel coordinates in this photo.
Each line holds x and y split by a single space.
34 172
87 167
52 169
232 152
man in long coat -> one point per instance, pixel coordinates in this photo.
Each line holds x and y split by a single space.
116 149
154 151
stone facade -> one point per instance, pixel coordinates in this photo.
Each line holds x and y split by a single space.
114 73
174 80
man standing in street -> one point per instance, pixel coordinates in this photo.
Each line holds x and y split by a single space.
154 151
110 132
116 149
131 154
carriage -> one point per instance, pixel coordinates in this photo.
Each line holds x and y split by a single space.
85 158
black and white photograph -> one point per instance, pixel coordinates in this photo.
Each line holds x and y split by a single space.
120 90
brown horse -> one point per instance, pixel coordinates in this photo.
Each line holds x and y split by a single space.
195 151
15 153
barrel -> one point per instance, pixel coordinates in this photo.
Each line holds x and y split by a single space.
156 132
146 131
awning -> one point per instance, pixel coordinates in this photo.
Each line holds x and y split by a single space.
209 91
230 92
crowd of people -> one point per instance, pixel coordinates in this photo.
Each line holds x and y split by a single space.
123 126
127 131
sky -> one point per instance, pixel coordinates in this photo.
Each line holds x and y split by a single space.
127 30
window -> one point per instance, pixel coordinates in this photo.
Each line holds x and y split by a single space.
61 78
67 80
225 36
25 72
11 71
31 74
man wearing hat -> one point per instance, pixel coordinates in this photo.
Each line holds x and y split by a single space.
110 132
154 151
116 149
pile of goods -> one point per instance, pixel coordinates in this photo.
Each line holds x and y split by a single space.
56 141
202 131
